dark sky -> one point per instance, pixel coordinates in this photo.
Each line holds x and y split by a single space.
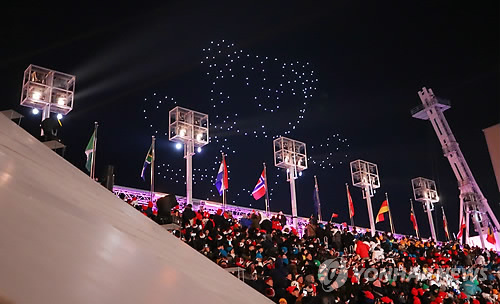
369 59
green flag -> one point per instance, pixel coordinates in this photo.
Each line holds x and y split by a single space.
89 151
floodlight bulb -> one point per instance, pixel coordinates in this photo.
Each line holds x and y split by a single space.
35 111
199 136
59 116
182 132
61 101
36 95
199 149
300 173
178 146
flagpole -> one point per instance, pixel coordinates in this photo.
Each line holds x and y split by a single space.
446 228
390 214
152 189
349 204
415 217
92 168
267 193
224 190
317 194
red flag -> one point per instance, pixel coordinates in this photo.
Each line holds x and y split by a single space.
351 205
383 209
462 227
414 221
260 189
334 215
491 237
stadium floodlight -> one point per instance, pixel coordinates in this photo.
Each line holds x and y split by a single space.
425 191
59 116
365 176
189 128
48 91
291 155
35 111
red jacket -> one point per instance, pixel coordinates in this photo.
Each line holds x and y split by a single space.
362 249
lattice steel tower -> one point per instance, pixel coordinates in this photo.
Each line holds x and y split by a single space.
472 200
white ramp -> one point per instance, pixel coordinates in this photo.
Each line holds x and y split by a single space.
66 239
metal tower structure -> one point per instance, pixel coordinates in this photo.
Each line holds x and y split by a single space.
191 129
365 176
472 200
425 191
291 155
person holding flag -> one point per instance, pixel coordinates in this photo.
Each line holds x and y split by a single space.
221 182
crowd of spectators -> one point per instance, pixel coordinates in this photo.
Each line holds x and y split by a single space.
290 268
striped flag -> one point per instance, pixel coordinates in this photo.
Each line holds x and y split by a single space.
413 219
445 225
383 209
147 161
221 182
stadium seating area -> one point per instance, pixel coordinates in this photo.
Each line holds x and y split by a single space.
331 264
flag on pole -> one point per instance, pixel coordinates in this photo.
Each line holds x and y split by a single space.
491 237
260 189
89 151
351 205
383 209
445 225
317 203
413 219
221 182
147 161
462 227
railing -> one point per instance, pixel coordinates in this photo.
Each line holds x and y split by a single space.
212 207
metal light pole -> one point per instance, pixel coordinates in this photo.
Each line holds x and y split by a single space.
291 155
473 208
47 90
365 176
191 129
425 191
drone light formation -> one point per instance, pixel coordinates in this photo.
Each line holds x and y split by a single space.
252 99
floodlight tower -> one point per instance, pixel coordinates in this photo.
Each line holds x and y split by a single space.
425 191
191 129
47 90
365 176
291 155
472 200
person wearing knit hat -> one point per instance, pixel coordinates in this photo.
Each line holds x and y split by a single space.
386 299
283 301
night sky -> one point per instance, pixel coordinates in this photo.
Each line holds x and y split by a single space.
341 77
